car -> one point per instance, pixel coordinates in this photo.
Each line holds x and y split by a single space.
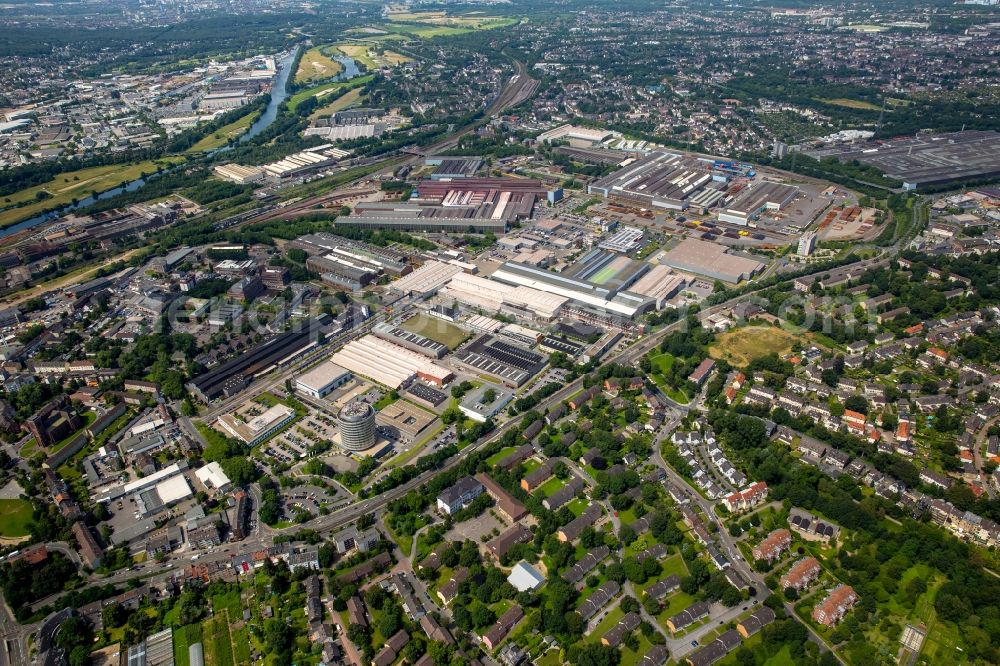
745 607
694 643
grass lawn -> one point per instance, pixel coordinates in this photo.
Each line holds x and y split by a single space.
675 565
29 449
662 363
437 330
741 345
184 637
630 658
500 455
15 514
611 620
426 31
316 65
347 100
224 134
359 52
782 658
324 90
548 488
674 604
550 658
385 401
578 506
73 185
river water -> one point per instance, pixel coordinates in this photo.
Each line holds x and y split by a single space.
278 95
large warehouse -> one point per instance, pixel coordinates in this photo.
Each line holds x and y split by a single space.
749 203
234 375
659 180
378 259
579 291
495 296
660 283
928 159
478 205
427 279
711 260
389 364
322 379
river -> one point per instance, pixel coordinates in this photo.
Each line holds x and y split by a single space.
278 95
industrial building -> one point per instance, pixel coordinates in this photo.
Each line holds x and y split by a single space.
587 294
578 137
659 283
496 297
305 161
509 364
239 174
625 240
711 260
477 405
405 419
234 375
388 363
356 422
454 205
143 483
380 260
807 243
930 159
409 340
322 379
661 180
453 167
427 279
212 476
260 427
745 209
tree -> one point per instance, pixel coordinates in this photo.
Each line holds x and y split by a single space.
593 654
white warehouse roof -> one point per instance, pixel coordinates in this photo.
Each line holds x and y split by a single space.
212 476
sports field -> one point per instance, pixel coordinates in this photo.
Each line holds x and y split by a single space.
15 514
437 330
739 346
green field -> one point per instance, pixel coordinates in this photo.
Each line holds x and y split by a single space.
185 637
325 89
15 514
224 134
500 455
345 101
437 330
550 487
741 345
317 65
852 103
66 187
217 643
